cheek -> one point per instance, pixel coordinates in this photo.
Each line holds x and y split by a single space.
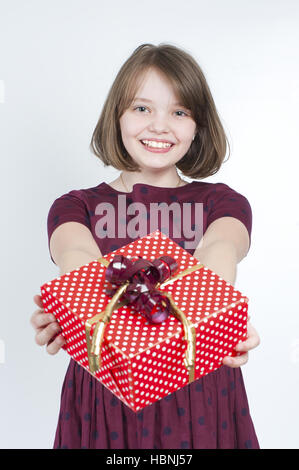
185 136
131 126
185 131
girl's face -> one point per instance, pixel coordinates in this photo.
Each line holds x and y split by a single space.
156 115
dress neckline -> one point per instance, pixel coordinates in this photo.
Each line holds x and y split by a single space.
155 188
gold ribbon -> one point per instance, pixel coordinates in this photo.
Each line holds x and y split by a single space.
101 319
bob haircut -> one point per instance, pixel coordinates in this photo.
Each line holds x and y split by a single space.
208 149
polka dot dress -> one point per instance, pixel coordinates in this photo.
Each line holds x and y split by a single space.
211 412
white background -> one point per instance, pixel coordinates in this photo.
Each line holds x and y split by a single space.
58 61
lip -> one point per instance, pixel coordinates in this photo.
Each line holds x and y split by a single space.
157 150
159 140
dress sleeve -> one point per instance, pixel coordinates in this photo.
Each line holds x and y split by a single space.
70 207
226 202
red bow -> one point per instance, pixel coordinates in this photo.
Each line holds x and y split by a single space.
143 276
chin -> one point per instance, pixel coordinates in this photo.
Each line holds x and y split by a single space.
155 166
156 161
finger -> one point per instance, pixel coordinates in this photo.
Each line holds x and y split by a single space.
253 340
54 346
40 320
38 300
237 361
44 335
37 315
34 317
247 345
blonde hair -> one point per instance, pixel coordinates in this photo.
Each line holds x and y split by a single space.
208 149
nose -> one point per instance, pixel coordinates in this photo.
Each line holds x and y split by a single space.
159 124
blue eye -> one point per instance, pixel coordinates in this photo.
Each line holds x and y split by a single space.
138 107
182 112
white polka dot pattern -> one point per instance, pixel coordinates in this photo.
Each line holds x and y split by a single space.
143 362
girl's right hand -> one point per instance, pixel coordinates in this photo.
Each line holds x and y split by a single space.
47 328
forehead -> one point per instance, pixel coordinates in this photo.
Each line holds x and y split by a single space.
154 85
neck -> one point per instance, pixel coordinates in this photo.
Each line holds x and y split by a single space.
169 179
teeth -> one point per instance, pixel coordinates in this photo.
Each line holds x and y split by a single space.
152 143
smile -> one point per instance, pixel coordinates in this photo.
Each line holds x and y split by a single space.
158 147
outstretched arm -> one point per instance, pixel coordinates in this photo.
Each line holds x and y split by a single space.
224 244
71 246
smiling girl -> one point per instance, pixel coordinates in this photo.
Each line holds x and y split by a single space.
159 117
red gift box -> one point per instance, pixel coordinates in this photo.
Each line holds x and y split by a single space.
142 362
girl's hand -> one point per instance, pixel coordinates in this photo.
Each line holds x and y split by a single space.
47 328
252 342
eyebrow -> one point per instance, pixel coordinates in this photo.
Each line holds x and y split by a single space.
149 101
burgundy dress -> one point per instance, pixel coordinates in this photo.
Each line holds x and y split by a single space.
211 412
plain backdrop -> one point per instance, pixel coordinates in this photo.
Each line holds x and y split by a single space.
58 60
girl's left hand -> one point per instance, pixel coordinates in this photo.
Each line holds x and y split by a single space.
252 342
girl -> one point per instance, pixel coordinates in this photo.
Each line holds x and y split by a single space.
159 116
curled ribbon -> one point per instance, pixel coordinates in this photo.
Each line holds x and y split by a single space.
136 283
143 276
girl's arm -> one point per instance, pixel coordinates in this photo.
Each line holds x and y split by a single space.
73 245
220 256
224 244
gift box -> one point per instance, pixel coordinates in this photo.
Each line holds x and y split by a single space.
139 361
